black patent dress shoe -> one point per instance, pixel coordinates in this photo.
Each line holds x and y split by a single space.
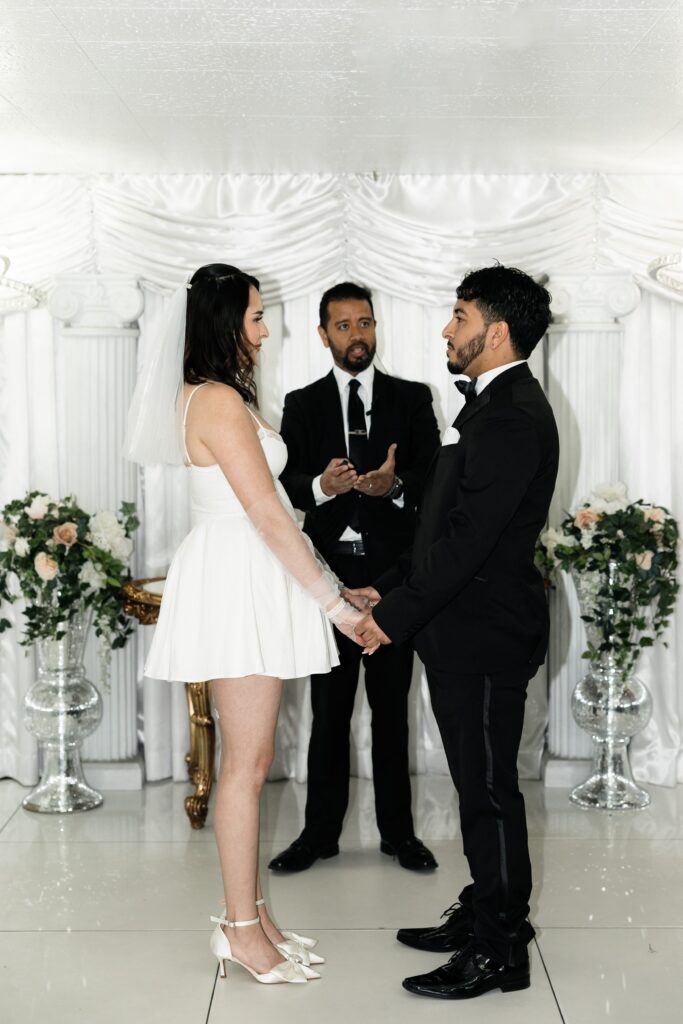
411 854
469 974
301 855
455 933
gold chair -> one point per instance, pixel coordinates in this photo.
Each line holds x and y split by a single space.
142 600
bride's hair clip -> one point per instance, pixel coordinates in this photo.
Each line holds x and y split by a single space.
188 285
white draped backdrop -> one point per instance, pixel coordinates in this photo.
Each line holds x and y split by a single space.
611 367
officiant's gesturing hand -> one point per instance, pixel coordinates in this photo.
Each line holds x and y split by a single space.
378 482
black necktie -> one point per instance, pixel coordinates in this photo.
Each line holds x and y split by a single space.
468 388
358 443
358 431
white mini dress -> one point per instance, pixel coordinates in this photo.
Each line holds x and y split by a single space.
229 608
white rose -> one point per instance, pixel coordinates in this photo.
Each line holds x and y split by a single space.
552 538
21 547
91 576
38 508
106 531
609 498
122 548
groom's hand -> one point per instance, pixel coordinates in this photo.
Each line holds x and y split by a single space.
362 598
369 632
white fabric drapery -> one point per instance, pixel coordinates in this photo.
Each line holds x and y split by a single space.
406 235
409 238
651 456
29 458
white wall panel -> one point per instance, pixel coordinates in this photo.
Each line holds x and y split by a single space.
96 373
584 364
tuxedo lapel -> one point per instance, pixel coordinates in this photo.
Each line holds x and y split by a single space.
499 383
468 411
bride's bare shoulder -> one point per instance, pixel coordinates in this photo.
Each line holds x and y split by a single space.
218 397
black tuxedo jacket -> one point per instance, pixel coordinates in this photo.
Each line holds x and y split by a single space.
313 430
469 593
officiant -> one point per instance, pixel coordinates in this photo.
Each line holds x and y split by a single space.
360 443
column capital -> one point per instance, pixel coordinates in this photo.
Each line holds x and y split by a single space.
96 302
595 300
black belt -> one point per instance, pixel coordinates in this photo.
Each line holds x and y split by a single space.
348 547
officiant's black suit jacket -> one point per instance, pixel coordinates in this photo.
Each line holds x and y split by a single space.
468 593
313 430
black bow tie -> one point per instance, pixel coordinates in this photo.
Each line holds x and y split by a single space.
468 388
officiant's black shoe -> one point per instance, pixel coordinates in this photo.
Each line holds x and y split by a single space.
411 854
455 933
301 855
468 974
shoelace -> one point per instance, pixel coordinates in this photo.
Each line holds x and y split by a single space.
452 909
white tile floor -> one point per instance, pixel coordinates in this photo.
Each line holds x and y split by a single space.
104 915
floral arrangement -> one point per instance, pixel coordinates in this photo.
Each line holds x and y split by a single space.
59 558
624 557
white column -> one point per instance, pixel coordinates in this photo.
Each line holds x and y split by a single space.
584 359
96 358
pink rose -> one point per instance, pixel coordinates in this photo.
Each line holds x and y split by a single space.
586 517
38 508
653 514
11 533
644 560
66 534
45 566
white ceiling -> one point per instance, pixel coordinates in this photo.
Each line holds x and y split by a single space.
453 86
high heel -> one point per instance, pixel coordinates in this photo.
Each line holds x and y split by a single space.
287 971
298 946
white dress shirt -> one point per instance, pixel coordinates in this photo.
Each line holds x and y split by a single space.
366 380
485 379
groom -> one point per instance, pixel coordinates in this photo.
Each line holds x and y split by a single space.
469 597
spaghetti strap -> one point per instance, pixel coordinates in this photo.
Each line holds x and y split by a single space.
255 418
187 406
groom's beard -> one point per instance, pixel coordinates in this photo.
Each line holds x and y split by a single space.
468 352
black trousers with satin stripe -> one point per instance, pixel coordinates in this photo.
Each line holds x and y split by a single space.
480 718
387 682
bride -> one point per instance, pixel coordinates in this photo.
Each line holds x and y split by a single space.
246 602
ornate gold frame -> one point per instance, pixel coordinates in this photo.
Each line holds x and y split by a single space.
144 606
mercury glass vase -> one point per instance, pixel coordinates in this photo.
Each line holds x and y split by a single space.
61 709
611 704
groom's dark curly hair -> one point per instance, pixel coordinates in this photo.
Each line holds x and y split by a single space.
215 347
506 293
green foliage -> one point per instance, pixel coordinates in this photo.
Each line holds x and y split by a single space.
58 557
623 556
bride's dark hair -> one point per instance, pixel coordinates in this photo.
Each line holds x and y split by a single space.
215 347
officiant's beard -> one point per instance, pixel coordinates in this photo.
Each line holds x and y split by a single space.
353 364
467 353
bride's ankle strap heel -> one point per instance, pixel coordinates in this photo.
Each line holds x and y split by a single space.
286 971
235 924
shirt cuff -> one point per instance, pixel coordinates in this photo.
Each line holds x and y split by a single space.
399 502
318 493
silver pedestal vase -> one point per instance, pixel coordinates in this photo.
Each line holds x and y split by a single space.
609 703
61 709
